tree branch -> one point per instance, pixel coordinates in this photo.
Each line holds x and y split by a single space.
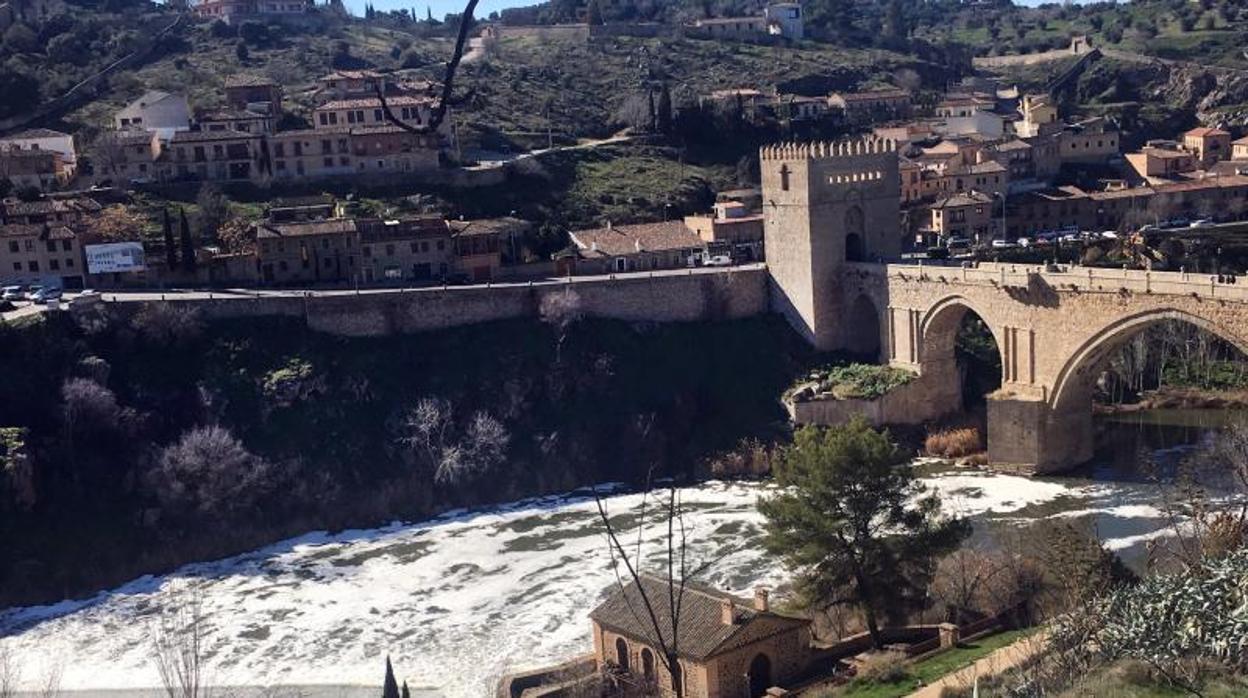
438 113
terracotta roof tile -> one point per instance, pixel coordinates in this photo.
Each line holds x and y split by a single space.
621 240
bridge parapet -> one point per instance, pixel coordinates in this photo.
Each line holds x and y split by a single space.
1072 278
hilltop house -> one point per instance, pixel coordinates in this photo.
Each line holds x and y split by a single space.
45 139
160 112
727 647
231 11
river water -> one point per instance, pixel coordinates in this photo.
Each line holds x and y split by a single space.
461 599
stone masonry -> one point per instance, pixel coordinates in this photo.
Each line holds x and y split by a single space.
1055 327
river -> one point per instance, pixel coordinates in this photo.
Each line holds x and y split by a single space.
460 599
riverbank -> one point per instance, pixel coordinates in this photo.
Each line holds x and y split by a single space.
1177 398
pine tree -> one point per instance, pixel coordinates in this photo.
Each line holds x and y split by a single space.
429 14
650 109
171 250
855 525
389 689
188 247
406 693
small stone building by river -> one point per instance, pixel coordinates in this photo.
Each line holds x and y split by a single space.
727 647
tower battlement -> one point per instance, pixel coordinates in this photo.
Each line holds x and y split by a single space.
826 150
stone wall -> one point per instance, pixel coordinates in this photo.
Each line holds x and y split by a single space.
922 400
705 295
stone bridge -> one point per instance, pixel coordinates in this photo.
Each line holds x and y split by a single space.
1054 327
827 207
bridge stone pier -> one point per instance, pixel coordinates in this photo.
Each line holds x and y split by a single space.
1054 326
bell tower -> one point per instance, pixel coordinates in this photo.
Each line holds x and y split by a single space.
826 207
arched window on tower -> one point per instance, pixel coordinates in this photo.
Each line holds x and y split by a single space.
855 243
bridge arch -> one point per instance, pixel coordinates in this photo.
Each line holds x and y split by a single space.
937 356
1075 381
864 337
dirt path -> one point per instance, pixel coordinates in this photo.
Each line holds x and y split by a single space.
999 661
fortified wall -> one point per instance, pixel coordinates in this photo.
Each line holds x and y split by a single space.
680 297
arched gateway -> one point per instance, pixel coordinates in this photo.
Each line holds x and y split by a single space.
1054 326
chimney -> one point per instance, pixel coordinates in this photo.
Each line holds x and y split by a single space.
760 600
608 225
637 245
727 614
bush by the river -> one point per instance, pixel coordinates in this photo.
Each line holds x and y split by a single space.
953 443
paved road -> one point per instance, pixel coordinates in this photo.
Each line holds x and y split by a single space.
999 661
205 294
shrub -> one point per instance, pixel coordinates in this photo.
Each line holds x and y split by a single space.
884 667
953 443
208 471
165 324
861 381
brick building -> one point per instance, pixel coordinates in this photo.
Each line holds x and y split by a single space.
726 647
648 246
411 249
307 252
253 93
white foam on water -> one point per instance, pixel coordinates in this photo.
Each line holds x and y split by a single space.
455 601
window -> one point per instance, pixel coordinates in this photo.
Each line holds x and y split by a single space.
359 116
389 250
413 247
424 246
282 265
344 161
784 177
441 245
33 265
13 247
298 148
54 264
279 150
69 263
17 266
377 115
51 244
30 245
281 165
350 117
329 162
368 251
327 147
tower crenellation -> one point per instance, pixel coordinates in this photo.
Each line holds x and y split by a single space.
827 204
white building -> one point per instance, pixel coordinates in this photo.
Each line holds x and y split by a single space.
45 139
159 112
784 19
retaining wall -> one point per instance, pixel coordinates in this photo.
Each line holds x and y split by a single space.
738 293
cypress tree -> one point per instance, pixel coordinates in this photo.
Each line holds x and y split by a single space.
171 249
664 110
406 693
390 689
188 247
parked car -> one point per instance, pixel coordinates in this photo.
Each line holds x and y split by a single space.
719 260
12 293
1002 244
956 243
1201 223
1070 237
47 295
1024 242
1109 235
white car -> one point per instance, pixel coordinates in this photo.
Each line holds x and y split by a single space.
11 293
1109 235
719 260
1002 244
1024 242
1202 223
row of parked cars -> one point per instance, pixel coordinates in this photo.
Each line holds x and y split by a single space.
35 294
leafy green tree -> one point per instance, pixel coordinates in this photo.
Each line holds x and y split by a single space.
663 111
214 210
389 689
855 525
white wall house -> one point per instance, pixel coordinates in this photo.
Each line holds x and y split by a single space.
785 19
45 139
159 112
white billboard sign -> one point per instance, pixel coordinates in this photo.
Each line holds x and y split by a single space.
115 257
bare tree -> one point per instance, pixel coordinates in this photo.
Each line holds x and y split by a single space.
178 643
675 575
438 114
561 311
210 472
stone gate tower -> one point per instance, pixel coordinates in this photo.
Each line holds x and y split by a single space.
826 205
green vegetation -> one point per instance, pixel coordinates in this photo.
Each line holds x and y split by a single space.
853 381
932 669
855 525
